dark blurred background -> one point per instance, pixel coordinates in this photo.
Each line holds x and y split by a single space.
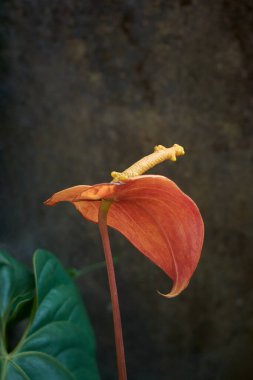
91 86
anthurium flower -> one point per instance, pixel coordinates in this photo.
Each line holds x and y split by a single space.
153 214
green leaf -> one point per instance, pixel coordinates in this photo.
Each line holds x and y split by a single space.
17 288
59 342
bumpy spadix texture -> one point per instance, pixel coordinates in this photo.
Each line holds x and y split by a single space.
154 215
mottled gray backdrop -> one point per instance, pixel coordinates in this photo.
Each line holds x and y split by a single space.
91 86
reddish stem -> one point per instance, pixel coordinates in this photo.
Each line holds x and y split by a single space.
102 222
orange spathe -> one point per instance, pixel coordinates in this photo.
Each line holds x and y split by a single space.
152 212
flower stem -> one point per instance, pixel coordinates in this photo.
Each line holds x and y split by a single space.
102 222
